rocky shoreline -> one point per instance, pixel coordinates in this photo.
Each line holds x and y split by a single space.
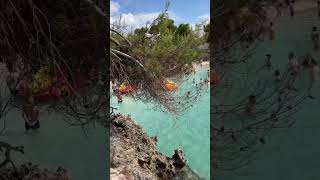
30 171
134 155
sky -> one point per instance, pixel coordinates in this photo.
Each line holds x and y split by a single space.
136 13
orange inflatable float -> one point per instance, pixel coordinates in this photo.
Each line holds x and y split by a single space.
125 89
170 85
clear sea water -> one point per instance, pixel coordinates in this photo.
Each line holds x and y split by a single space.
292 154
189 131
57 143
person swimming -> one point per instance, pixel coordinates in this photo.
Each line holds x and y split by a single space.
293 64
277 75
31 114
307 61
188 94
251 105
315 71
119 97
315 38
268 60
318 7
271 31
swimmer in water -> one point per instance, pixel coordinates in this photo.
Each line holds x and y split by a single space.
318 7
277 75
188 94
293 64
315 71
119 97
271 31
307 61
315 38
251 105
268 61
31 115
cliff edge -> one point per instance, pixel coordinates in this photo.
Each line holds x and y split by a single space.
134 155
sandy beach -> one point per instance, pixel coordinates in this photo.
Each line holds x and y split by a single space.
196 66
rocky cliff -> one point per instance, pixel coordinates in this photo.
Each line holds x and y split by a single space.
134 155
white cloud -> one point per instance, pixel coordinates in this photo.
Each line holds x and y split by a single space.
173 16
141 19
133 21
114 7
138 20
129 19
204 18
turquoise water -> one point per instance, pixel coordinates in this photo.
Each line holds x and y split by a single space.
292 154
57 143
190 131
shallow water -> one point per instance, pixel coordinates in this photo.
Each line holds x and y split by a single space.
190 131
58 144
292 154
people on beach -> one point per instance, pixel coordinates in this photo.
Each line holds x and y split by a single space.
268 60
315 38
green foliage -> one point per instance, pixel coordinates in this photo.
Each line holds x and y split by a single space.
183 30
168 47
162 24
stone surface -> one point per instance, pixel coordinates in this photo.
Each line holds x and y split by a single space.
134 155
